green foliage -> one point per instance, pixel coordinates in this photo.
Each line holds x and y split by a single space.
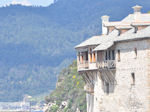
54 108
68 90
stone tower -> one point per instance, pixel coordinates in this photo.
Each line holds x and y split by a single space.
116 65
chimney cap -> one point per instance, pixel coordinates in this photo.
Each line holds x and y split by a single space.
137 9
105 18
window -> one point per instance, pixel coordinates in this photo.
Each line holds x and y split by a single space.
136 29
94 60
108 30
107 88
135 51
79 56
109 55
90 57
86 56
106 55
81 59
113 54
118 55
119 32
133 78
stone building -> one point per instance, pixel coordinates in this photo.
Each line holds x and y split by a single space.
116 65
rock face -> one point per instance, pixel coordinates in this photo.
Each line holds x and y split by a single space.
69 93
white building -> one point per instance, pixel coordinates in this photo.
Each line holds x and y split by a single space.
116 65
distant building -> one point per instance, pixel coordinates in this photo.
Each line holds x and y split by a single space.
14 107
116 65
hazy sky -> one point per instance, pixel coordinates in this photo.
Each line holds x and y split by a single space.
26 2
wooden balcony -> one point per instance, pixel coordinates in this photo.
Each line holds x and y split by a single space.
83 65
110 64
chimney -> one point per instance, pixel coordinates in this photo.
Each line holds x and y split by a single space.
137 9
105 19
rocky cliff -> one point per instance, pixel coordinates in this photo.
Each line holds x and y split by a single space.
69 95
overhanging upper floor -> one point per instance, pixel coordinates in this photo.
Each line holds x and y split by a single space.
99 52
90 60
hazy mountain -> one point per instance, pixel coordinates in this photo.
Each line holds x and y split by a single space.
36 42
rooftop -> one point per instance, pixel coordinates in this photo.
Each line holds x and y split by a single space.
130 22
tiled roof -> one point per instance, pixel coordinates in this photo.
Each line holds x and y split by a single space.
123 27
140 23
137 17
96 40
130 35
104 46
105 41
112 23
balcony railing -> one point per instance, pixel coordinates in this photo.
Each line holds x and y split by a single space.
110 64
83 65
106 64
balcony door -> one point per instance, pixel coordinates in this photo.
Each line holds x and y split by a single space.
99 56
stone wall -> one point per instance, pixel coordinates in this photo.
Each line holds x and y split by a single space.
148 77
132 97
126 95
